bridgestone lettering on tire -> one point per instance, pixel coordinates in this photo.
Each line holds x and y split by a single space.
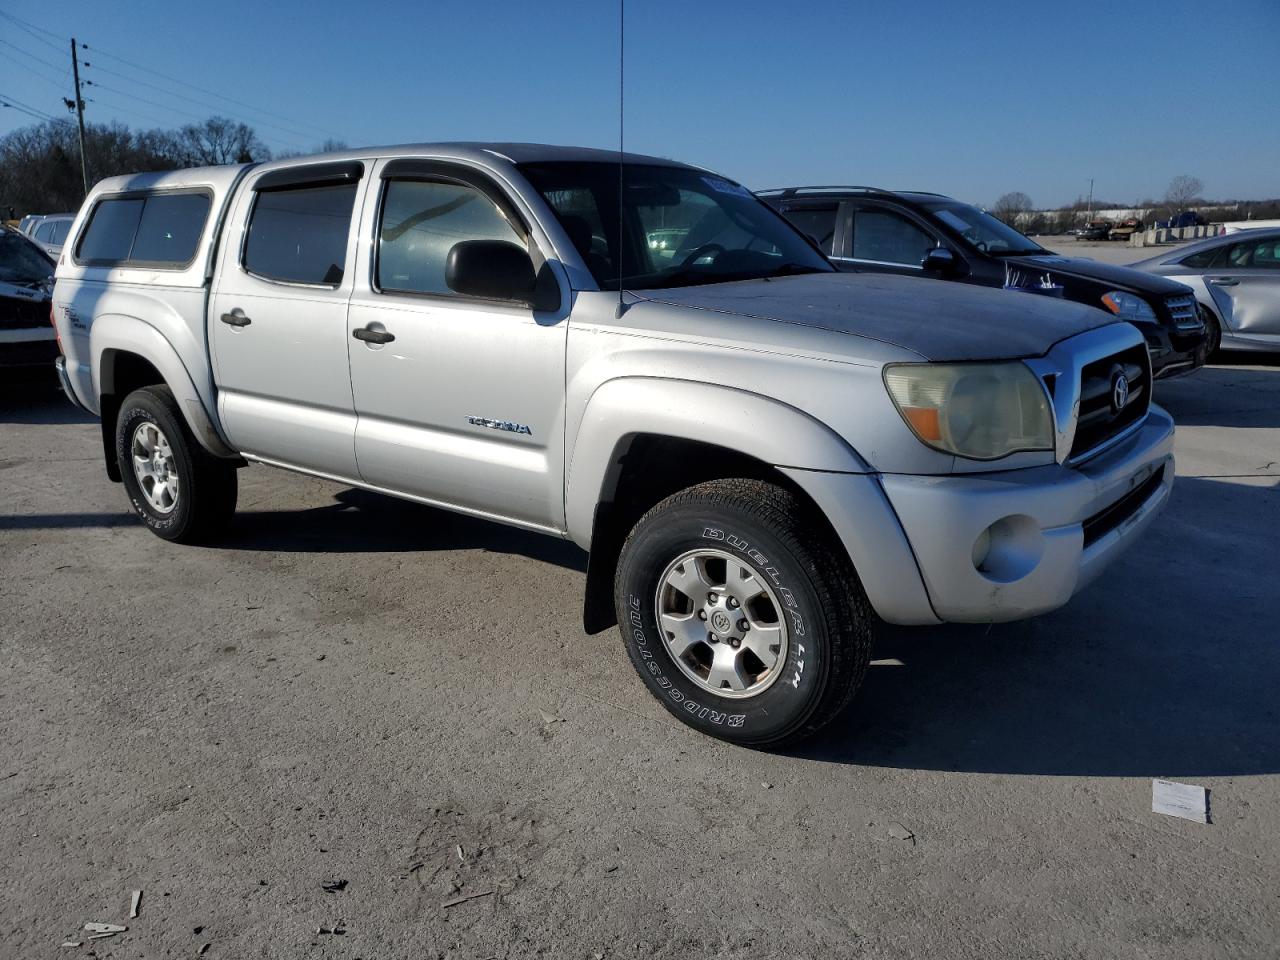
741 614
176 487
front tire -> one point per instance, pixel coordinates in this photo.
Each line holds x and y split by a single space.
1213 334
177 488
741 614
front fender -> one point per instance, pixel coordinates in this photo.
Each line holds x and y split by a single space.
749 423
116 332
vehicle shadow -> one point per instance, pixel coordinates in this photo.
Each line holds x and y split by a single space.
1231 392
1167 667
33 396
359 521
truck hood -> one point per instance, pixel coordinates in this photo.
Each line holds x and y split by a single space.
935 319
1122 278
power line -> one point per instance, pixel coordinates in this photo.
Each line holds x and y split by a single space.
33 57
182 112
181 96
26 108
34 31
240 103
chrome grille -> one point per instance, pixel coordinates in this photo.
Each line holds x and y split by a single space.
1099 421
1184 312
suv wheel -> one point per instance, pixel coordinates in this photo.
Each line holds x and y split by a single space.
178 489
740 613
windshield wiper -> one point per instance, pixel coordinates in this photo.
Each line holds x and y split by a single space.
1019 253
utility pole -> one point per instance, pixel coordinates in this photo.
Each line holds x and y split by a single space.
75 69
1090 198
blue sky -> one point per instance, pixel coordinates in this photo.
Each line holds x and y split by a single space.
966 98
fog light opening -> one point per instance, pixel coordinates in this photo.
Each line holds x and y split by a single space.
1009 549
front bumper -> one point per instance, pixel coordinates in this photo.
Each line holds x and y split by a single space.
1004 546
1174 353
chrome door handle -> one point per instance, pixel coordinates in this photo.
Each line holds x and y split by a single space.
235 318
1225 282
372 336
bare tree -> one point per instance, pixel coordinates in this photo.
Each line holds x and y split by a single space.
1182 191
1010 206
218 141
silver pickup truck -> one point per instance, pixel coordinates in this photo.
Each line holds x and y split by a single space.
765 458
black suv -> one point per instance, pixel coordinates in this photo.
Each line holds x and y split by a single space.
929 235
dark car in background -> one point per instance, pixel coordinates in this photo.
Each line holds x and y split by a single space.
929 235
1094 230
27 337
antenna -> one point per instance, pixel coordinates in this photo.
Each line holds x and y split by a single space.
622 52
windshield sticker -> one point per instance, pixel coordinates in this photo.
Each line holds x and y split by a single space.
951 220
724 186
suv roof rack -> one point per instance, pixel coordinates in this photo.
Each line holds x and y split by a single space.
851 188
794 191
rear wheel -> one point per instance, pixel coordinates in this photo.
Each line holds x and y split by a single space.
741 614
178 489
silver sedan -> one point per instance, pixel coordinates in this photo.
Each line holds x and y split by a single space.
1236 278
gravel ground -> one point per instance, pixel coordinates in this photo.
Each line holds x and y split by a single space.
356 689
1104 251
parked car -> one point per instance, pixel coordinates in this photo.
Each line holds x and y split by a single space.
27 222
27 337
1236 279
1184 218
765 457
1126 228
1094 230
51 232
929 235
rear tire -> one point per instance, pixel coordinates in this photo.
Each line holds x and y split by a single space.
741 613
179 490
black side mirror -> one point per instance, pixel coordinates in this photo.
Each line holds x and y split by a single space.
491 269
942 261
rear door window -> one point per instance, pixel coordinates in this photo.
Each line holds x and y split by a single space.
60 230
818 222
299 234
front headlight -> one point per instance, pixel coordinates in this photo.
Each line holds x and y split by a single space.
1128 306
981 411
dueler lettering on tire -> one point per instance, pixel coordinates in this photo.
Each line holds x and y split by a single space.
741 614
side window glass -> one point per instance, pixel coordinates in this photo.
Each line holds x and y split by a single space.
1239 255
60 230
44 233
1201 260
1266 255
109 236
887 237
421 221
819 223
299 234
170 227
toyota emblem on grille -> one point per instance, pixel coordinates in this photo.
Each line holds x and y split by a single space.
1119 392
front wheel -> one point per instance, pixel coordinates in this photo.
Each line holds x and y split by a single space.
1212 333
741 614
178 489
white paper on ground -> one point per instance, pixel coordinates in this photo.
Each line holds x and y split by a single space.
1183 800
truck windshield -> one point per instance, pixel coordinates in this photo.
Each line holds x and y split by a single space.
21 261
680 227
982 230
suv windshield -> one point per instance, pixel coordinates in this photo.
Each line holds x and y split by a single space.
982 230
21 261
680 226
